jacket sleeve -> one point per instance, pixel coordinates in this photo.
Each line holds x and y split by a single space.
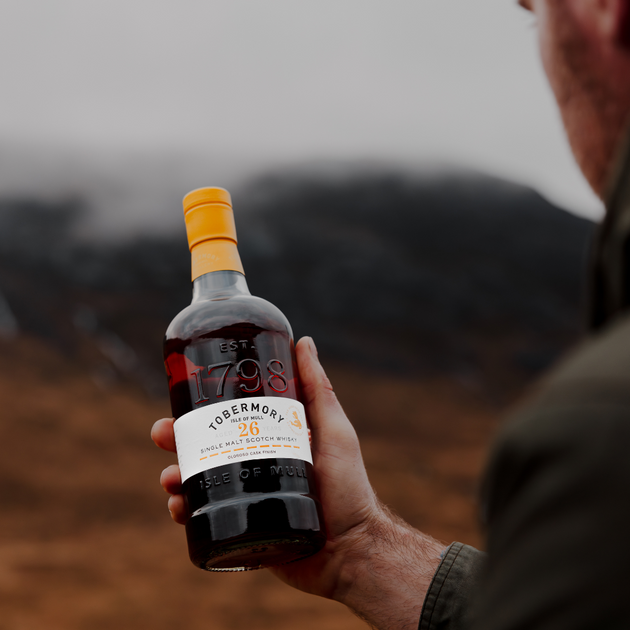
449 598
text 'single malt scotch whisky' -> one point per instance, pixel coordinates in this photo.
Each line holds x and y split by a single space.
241 434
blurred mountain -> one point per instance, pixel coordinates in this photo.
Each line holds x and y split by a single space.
459 275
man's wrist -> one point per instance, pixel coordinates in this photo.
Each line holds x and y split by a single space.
387 572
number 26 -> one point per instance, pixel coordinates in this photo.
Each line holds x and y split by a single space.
253 429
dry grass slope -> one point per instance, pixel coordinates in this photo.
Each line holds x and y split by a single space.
86 539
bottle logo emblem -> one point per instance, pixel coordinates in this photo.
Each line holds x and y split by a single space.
297 425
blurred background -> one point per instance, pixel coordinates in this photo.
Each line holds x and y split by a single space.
403 192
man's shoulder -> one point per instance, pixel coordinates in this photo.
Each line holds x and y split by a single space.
585 400
554 490
572 434
602 361
597 372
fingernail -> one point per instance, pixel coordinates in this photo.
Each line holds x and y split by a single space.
313 348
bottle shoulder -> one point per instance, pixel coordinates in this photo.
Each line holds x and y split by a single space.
205 318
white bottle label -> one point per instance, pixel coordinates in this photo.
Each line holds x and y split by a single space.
242 429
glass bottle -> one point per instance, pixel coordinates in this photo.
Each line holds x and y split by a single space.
243 444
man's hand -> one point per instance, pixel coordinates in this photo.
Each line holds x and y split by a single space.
373 562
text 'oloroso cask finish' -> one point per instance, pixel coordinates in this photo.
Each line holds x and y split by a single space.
240 430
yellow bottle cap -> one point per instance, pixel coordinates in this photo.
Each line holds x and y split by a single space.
208 215
211 231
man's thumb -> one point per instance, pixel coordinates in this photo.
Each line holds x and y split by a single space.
326 416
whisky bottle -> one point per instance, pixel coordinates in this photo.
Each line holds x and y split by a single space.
243 444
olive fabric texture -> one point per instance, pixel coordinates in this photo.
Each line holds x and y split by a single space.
556 493
449 600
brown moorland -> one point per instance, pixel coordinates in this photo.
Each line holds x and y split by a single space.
86 538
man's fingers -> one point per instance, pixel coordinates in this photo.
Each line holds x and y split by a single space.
162 434
171 480
177 508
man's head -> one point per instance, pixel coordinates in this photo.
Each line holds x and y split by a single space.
585 47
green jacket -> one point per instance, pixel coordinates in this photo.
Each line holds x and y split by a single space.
556 493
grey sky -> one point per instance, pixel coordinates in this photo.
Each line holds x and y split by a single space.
255 84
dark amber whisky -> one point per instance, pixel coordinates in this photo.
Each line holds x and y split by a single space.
242 439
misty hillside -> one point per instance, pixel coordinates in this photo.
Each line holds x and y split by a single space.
466 276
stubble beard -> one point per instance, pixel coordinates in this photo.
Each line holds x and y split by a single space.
593 112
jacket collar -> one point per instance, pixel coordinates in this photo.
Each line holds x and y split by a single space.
610 269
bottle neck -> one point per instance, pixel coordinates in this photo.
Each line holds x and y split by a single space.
219 285
215 254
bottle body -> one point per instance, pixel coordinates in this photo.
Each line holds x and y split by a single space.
241 435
